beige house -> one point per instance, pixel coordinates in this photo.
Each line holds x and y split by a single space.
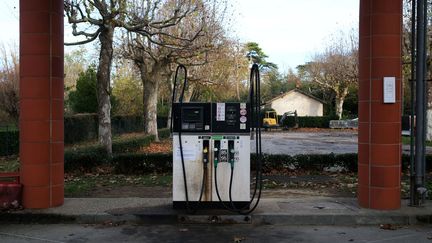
296 100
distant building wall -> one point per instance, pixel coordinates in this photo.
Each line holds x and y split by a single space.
292 101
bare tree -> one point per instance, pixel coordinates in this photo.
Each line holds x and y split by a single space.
186 42
9 81
406 57
98 19
336 68
223 76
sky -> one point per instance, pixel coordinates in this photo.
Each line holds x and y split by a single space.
291 31
288 31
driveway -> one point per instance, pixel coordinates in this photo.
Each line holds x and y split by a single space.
312 142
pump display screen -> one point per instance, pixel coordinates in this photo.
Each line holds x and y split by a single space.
192 118
192 114
228 117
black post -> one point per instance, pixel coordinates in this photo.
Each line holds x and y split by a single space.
420 97
425 91
413 198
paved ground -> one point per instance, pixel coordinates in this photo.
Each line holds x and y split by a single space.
316 142
320 142
214 233
305 210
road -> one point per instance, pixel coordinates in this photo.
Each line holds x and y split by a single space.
317 142
209 233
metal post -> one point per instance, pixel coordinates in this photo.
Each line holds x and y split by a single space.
425 99
420 97
413 198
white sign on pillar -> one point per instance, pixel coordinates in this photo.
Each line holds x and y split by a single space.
389 87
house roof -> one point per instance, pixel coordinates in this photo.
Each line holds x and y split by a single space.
292 91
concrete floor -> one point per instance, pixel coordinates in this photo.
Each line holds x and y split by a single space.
320 142
210 233
316 142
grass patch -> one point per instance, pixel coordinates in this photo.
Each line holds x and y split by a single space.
9 164
87 158
78 185
406 140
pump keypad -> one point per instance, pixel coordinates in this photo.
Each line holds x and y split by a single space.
223 155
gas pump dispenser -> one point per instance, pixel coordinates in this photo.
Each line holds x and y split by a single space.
211 151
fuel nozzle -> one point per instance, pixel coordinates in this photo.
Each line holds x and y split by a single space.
231 152
216 151
205 151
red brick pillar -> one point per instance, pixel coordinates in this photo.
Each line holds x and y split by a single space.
379 137
41 102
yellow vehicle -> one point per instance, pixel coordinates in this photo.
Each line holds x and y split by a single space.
270 120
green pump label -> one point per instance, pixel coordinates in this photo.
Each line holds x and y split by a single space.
217 137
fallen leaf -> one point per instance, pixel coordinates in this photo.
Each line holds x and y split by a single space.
238 239
388 227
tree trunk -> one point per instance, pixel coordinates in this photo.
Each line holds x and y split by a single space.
429 124
103 88
150 108
237 80
150 99
188 92
171 89
429 113
340 98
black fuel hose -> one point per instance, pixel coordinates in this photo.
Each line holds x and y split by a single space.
255 104
180 128
255 98
180 136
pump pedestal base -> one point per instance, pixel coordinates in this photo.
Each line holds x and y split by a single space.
209 205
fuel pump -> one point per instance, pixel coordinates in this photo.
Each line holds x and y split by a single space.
211 151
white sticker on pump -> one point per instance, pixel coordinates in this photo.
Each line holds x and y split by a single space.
243 126
189 153
242 105
220 112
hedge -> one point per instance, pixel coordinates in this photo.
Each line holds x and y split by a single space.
162 163
90 156
9 142
84 127
309 121
79 128
306 161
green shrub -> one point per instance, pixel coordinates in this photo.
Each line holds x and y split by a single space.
162 163
127 124
306 161
81 127
84 158
84 98
138 163
84 127
9 142
406 162
88 157
309 121
132 144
